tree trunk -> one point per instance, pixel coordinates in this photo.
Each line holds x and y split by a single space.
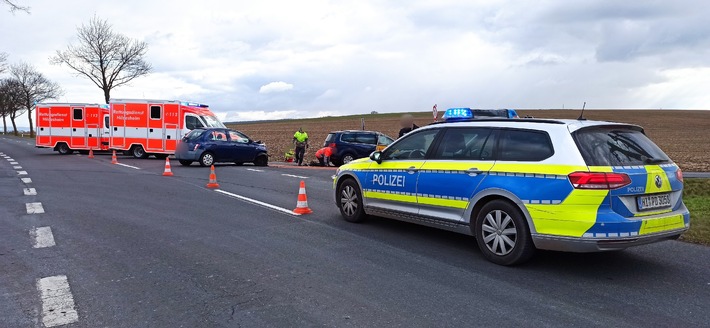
4 124
14 126
107 94
32 128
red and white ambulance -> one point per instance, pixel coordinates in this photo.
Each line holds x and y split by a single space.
67 127
154 127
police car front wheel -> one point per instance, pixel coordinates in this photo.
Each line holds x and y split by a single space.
502 234
350 201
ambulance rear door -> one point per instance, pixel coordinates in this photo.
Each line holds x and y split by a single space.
44 126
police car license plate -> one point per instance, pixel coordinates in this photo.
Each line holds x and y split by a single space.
649 202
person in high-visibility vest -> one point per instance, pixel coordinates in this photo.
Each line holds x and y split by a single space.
300 140
323 156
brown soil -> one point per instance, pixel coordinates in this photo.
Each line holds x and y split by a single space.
683 134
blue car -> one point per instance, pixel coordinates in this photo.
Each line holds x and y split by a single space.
220 145
350 145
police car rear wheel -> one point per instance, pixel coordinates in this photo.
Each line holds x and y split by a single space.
502 234
350 201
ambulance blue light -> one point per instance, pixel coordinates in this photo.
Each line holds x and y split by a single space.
458 114
192 104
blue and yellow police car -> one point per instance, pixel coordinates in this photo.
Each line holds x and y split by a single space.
521 185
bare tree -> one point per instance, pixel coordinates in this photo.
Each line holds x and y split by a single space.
34 88
107 58
10 102
3 62
15 7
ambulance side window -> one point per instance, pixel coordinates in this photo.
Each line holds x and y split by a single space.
78 114
155 112
412 146
106 125
192 122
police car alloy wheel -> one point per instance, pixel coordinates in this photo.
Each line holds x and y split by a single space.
350 201
502 234
206 159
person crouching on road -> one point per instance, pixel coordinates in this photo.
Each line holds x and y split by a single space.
300 140
407 123
323 156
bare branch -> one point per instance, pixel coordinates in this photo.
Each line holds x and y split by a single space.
3 62
106 58
14 7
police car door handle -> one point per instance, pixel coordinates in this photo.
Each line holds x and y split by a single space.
473 170
412 169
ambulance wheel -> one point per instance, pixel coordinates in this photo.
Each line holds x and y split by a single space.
206 159
261 161
161 156
138 152
350 201
64 149
502 233
184 162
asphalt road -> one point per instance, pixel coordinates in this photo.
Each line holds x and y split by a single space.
135 249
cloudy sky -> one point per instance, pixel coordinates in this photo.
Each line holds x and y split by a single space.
274 59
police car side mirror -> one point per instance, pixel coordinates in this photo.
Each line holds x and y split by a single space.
376 156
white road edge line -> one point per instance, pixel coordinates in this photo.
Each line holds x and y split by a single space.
34 208
57 301
42 237
294 176
30 191
257 202
26 180
126 165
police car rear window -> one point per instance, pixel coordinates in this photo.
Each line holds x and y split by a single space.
617 146
524 146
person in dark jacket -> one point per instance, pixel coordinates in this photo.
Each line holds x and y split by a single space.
407 123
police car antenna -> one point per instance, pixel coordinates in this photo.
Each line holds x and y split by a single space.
581 115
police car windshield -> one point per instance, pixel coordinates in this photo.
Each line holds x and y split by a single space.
615 146
212 122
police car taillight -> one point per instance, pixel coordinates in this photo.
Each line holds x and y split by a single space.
679 175
598 180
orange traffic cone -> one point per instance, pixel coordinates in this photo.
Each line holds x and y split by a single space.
213 179
168 172
302 204
113 158
91 153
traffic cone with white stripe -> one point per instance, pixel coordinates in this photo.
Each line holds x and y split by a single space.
302 204
113 158
213 179
91 153
168 172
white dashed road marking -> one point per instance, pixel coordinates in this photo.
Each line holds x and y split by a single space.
34 208
255 170
294 176
42 237
17 167
126 165
257 202
57 301
14 163
26 180
30 191
21 172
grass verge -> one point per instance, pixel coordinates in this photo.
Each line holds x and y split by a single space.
696 196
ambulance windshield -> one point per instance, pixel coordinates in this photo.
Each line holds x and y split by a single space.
212 122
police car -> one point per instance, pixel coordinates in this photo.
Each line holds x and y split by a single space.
521 185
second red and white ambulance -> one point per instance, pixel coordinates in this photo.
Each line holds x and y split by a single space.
154 127
67 127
